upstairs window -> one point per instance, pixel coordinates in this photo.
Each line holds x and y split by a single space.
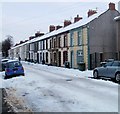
59 42
65 40
80 37
50 44
72 39
46 44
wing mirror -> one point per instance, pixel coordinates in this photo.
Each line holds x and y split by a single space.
103 64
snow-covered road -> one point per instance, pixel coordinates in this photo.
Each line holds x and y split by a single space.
53 89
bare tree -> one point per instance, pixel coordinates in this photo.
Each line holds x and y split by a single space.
6 45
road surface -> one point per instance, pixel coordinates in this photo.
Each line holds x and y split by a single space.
45 90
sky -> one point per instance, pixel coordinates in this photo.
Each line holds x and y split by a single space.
22 19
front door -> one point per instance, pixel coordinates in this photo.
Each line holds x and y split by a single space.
59 58
37 57
72 59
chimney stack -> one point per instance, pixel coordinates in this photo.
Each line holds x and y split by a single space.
51 28
58 27
21 42
91 12
67 22
38 34
111 6
31 37
76 19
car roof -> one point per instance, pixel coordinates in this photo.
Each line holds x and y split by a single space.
12 61
4 60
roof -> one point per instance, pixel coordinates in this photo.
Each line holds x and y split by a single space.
80 23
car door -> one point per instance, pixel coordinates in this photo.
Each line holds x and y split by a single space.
112 69
104 70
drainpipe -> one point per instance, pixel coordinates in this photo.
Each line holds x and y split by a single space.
88 48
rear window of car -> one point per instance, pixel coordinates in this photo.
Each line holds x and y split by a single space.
13 64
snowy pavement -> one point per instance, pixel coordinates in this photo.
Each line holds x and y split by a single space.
53 89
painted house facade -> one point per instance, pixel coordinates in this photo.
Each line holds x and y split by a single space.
117 19
86 41
119 6
102 37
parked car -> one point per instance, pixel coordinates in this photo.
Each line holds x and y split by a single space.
13 68
110 70
3 62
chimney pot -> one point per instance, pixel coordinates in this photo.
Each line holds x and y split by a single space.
77 18
67 22
58 27
91 12
111 6
38 34
51 28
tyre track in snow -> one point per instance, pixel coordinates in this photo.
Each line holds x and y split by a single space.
91 82
71 86
69 76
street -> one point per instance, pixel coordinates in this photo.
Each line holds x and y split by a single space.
53 89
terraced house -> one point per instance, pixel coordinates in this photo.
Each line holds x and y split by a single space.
86 42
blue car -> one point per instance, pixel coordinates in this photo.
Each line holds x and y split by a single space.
13 68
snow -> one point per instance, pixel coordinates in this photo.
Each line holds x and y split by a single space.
55 89
4 60
12 61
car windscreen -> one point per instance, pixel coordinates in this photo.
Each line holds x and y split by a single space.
13 64
108 64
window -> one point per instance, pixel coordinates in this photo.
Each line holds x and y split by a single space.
59 45
80 37
72 39
116 63
54 43
36 46
46 44
43 45
50 44
65 41
109 64
40 45
13 64
80 56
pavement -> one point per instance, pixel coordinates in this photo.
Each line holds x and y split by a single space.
5 105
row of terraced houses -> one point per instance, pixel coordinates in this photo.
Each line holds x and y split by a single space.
87 41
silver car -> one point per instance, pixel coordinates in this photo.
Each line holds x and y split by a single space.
110 70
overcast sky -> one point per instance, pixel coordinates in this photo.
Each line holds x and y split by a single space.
23 19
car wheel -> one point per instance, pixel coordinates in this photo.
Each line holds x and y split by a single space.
117 77
95 74
5 77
